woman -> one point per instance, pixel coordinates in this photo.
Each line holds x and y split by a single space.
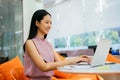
40 58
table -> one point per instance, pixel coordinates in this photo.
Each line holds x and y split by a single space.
108 72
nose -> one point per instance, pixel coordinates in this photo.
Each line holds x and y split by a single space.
50 25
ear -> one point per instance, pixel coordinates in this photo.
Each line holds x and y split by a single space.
37 23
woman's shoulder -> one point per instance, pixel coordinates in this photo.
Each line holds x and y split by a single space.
29 44
29 41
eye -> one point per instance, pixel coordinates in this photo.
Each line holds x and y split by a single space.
50 22
47 22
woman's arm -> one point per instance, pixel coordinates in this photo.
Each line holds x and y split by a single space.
38 60
57 58
42 65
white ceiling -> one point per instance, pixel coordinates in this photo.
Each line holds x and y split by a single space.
48 3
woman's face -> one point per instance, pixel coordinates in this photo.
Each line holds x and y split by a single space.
45 24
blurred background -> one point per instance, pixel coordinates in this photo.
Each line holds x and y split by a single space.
76 24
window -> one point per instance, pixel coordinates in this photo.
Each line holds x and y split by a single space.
11 30
87 39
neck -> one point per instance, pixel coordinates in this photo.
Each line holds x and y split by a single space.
40 35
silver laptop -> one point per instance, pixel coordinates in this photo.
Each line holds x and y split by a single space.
101 52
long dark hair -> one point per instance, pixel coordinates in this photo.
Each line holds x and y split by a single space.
37 16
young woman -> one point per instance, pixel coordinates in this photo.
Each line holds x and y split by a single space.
40 58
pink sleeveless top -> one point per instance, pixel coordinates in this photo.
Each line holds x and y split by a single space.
46 51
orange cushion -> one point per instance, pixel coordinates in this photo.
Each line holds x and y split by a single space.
99 77
6 74
7 66
112 58
18 73
80 77
61 57
68 76
1 77
86 77
59 74
54 78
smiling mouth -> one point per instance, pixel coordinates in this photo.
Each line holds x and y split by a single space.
47 30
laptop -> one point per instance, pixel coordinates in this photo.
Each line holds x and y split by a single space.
101 53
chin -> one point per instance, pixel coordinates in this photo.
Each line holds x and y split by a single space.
46 32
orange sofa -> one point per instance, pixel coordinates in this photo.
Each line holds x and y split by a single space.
7 68
14 70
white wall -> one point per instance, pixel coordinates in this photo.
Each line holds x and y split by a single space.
79 16
29 7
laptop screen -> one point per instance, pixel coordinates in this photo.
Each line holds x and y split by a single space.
101 52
